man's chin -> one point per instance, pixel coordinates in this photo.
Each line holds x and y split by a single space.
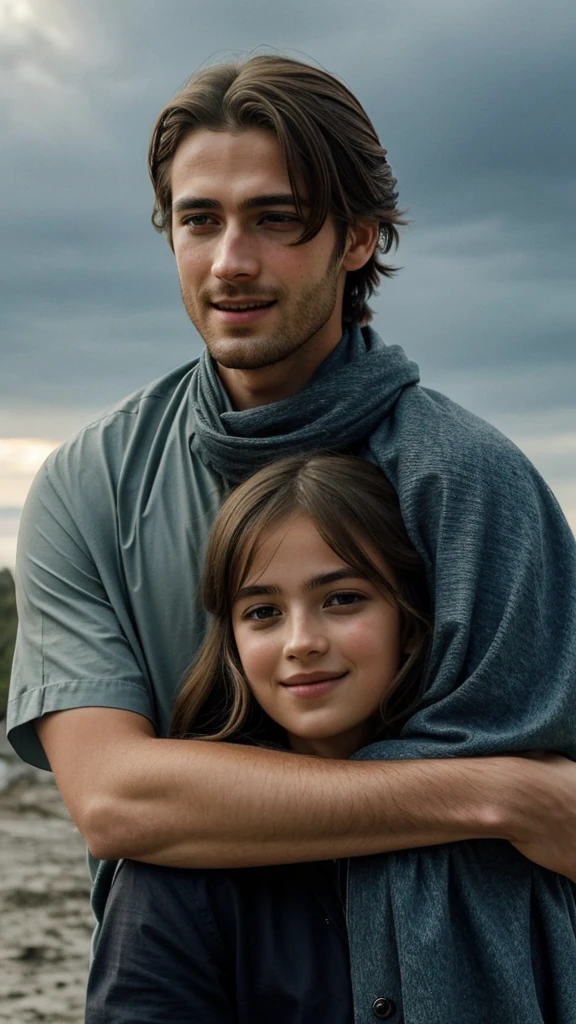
247 352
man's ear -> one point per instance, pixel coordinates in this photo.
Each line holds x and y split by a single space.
360 244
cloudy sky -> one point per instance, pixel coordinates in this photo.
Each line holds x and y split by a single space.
474 100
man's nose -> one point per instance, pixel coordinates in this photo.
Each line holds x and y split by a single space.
305 638
235 256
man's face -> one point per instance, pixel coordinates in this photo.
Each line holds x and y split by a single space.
233 221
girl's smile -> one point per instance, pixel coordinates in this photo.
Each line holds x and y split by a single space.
318 642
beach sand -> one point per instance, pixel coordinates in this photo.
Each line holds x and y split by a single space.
45 915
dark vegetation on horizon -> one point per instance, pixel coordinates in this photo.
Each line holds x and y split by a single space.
8 623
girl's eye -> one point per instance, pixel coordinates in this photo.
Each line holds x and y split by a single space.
262 613
343 599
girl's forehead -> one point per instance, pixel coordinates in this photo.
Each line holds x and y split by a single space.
288 545
292 550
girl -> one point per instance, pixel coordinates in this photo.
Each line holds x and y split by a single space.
319 636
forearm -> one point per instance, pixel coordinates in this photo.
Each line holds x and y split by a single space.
196 804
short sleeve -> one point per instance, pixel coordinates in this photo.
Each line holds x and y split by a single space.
73 646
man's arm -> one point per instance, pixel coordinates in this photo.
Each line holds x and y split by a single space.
199 804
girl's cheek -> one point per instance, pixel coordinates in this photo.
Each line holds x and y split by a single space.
355 634
258 655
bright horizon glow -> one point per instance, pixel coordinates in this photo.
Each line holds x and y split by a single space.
20 460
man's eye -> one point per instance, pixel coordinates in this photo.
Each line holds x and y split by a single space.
280 218
262 612
198 220
343 599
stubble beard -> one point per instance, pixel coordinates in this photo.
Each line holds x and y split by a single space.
241 351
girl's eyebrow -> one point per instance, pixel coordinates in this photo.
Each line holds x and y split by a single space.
256 591
312 584
333 577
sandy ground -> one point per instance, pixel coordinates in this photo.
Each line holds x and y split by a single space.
45 919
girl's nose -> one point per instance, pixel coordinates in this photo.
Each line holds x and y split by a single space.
305 639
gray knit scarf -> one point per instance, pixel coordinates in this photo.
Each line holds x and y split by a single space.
469 932
339 407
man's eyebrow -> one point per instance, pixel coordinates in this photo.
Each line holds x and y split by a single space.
273 199
253 203
313 583
195 203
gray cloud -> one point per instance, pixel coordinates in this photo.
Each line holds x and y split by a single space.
473 101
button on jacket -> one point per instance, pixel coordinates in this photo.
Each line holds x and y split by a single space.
244 946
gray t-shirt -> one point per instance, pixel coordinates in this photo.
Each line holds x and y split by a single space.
111 548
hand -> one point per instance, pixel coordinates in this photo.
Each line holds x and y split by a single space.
546 827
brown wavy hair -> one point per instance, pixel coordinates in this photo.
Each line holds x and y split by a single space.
327 139
352 505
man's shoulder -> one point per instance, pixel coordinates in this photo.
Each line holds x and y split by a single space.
129 425
445 429
435 448
136 408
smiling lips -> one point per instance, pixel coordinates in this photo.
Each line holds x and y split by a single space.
237 311
238 305
313 684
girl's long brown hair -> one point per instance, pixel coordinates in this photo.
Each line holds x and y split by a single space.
352 505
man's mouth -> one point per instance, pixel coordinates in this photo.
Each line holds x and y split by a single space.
235 313
241 307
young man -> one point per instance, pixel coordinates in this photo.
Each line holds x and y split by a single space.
279 204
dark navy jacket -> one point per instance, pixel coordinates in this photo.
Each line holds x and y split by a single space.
244 946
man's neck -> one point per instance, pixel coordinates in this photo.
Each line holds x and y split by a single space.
248 389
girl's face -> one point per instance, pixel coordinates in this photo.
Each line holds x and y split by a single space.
319 644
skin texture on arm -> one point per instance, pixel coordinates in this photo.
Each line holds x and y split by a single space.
188 803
